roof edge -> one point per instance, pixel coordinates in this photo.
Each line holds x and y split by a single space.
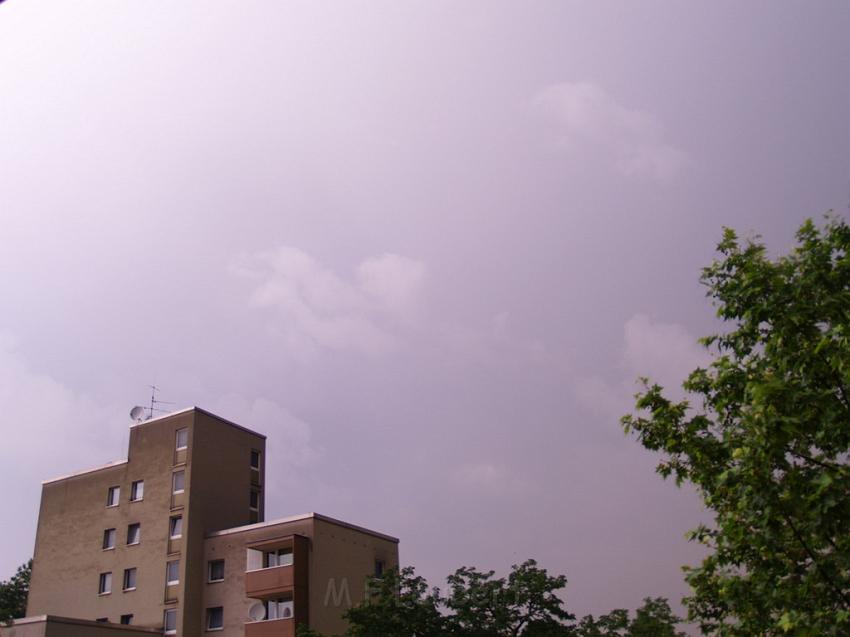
110 465
199 410
35 619
298 518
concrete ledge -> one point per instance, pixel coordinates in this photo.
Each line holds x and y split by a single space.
53 626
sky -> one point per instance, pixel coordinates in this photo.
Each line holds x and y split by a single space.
426 247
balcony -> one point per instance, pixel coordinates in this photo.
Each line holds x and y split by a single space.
263 582
271 628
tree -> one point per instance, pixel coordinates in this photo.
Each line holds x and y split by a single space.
767 443
653 619
13 594
401 605
525 604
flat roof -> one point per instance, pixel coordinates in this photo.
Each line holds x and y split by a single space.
198 409
109 465
298 518
116 463
36 619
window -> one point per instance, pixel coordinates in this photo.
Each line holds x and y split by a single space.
129 579
255 460
178 481
172 572
104 587
108 539
281 557
137 490
102 620
134 533
176 527
216 571
254 501
113 496
279 609
379 568
127 619
182 439
215 618
169 621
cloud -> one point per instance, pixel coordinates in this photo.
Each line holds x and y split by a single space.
320 309
582 116
488 478
663 352
68 431
289 437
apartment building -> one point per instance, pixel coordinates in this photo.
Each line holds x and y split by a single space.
173 540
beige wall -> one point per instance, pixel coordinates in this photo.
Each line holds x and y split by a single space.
337 557
220 483
343 559
68 555
340 558
73 516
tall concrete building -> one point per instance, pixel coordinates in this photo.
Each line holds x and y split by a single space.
173 540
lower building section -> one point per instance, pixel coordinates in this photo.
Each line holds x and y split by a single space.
52 626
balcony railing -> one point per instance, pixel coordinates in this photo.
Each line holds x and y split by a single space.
271 628
268 581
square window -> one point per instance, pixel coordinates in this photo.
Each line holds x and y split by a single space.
134 533
178 481
182 439
129 579
254 501
172 572
216 571
169 621
113 495
255 460
127 619
104 587
108 539
176 527
137 490
215 618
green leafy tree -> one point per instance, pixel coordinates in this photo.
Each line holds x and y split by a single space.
401 605
13 594
614 624
767 441
523 604
653 619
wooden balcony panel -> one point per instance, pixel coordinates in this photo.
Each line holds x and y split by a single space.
271 628
267 581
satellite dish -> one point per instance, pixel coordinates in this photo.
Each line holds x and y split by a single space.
137 413
257 612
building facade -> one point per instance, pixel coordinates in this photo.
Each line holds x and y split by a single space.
173 539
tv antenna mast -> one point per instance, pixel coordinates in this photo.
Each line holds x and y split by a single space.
137 413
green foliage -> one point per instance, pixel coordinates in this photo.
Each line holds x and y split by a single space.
526 603
653 619
401 605
13 594
768 443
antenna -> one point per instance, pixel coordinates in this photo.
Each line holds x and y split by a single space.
155 401
137 413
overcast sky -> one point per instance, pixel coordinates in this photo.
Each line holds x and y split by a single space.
425 247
